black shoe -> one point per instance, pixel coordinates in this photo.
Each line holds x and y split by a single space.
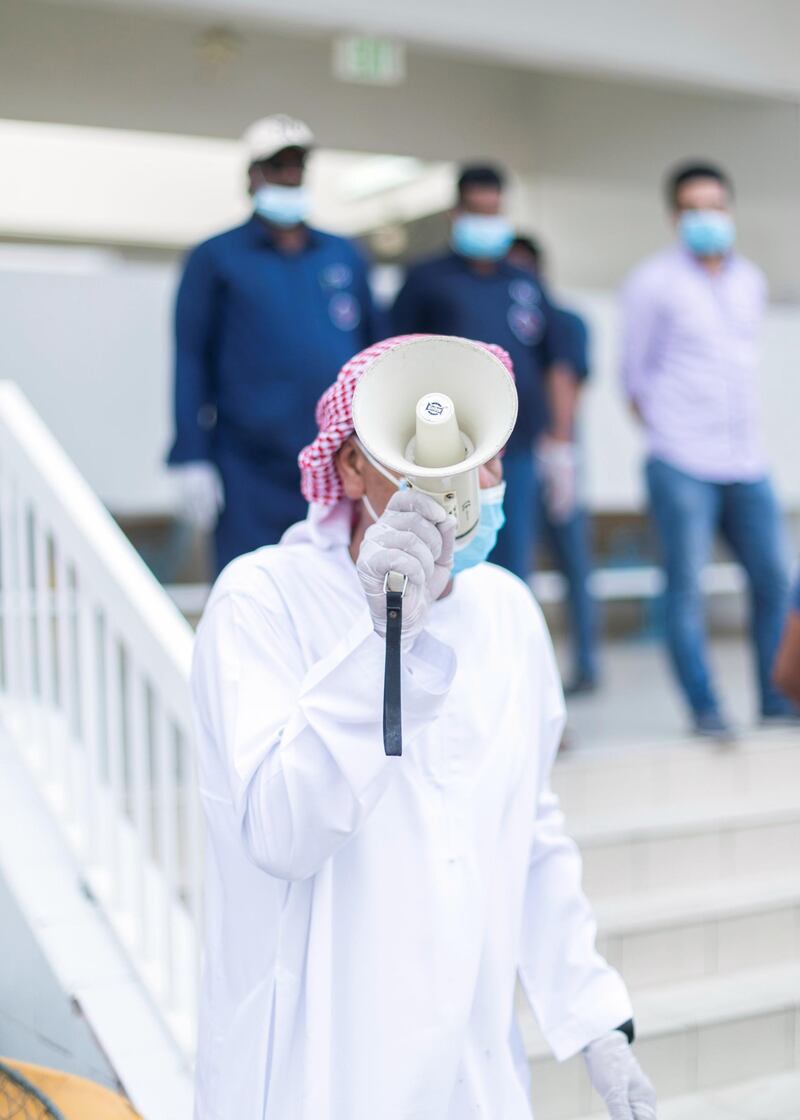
581 686
711 725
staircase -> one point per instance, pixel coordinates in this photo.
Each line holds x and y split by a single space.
692 860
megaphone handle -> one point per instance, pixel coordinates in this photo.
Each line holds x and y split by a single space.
392 699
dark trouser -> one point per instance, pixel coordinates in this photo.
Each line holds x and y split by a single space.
569 541
687 511
262 499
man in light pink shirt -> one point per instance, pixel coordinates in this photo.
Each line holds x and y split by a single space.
692 317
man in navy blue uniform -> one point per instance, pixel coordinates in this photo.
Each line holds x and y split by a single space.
561 511
474 292
266 314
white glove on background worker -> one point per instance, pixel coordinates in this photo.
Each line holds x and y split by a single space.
201 493
618 1078
558 467
415 537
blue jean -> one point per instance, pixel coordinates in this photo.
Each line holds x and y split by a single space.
525 515
687 511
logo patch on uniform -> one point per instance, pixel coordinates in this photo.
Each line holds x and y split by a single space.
336 276
344 311
522 291
527 323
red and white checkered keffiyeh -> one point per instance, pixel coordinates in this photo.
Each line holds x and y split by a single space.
319 479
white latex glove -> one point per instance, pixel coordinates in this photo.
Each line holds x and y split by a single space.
415 537
618 1078
201 493
558 465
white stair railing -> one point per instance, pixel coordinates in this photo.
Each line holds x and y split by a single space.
94 665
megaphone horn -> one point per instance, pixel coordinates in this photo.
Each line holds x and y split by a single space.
434 410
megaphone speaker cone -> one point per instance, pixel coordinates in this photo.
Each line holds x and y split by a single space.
455 370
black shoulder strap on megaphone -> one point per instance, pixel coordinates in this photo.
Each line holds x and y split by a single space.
395 587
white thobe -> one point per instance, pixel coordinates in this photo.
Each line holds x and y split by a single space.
367 917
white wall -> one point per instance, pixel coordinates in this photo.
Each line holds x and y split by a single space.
155 189
728 43
91 346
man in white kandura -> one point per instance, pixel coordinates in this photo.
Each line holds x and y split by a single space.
368 916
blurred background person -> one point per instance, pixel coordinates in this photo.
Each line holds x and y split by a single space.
692 316
473 291
562 513
266 313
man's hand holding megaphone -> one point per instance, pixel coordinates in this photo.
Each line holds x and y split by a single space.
415 538
431 411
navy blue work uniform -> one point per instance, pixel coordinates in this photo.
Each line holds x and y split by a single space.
260 334
569 540
507 306
574 342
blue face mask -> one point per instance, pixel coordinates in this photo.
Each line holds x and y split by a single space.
707 233
283 206
482 237
491 521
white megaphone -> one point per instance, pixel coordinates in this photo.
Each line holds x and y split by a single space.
434 410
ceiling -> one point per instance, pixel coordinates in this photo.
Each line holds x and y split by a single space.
746 45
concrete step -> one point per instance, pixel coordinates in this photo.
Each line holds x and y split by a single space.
765 1098
689 846
605 780
686 934
694 1037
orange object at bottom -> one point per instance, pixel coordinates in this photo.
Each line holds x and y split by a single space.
76 1098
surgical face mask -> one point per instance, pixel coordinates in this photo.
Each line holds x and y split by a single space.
491 521
482 237
707 233
400 483
283 206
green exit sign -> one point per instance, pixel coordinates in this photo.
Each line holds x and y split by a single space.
362 58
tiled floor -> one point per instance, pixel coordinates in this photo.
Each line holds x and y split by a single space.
768 1098
638 700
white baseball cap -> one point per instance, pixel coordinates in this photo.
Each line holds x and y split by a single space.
265 138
